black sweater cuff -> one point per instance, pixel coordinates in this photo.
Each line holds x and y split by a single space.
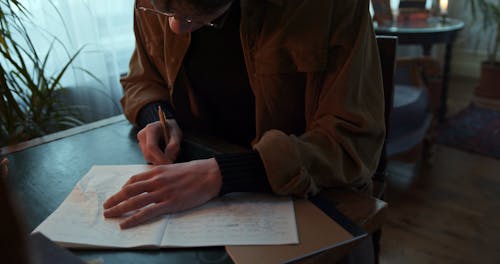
242 172
149 113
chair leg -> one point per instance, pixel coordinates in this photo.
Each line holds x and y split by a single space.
429 148
376 237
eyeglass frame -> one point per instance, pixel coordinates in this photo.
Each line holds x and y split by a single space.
211 24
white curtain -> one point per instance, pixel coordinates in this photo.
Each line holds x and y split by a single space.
104 28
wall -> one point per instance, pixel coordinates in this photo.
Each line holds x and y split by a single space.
471 46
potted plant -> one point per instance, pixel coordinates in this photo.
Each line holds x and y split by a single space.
488 14
30 96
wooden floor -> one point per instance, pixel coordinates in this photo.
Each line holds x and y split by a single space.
448 212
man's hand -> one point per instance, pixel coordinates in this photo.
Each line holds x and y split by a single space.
149 141
165 189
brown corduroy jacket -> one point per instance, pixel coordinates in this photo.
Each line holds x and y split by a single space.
314 70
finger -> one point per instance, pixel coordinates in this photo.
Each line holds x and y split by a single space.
144 215
143 176
127 192
154 153
132 204
174 145
149 141
141 135
144 149
172 149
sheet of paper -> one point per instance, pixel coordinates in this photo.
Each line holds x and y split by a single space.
79 220
236 219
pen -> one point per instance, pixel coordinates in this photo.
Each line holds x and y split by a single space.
164 127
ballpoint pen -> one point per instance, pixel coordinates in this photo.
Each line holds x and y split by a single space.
163 121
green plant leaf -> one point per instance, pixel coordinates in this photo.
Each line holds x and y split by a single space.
63 70
29 102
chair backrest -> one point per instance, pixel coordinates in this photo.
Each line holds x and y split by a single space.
387 53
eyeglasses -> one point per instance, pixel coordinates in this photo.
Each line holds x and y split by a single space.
160 7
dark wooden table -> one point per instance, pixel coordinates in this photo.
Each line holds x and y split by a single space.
427 34
44 171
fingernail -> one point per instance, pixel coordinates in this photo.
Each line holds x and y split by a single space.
107 213
124 225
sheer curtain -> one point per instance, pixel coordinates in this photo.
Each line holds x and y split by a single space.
104 29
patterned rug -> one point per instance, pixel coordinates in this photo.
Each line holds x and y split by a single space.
474 129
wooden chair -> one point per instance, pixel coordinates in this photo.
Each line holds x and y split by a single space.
408 109
417 93
387 52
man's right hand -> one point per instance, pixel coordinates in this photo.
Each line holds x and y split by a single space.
149 142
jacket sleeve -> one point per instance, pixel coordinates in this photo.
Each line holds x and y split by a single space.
144 84
345 127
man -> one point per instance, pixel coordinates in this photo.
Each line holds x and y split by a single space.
297 80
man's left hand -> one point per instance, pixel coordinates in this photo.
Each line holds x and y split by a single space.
165 189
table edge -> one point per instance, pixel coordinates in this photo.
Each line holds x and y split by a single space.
61 134
428 30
